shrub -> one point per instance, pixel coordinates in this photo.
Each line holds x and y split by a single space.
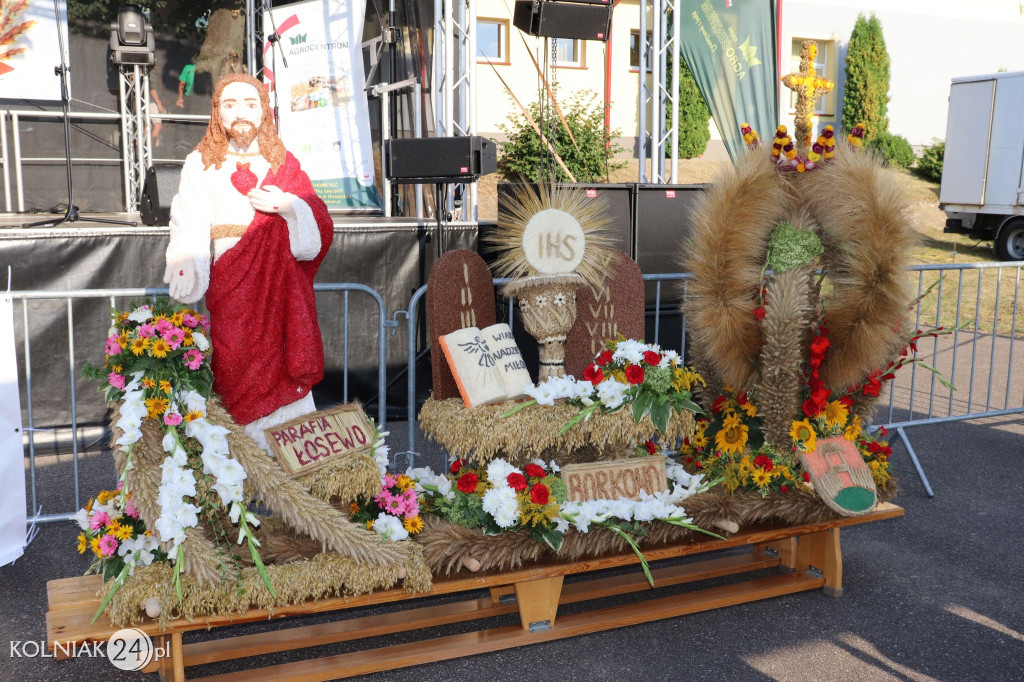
694 132
866 94
524 156
894 149
930 163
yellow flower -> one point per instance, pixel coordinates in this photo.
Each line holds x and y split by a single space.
746 467
730 439
188 338
761 478
139 346
124 533
159 349
83 544
853 430
156 407
94 545
116 368
699 440
686 450
165 386
730 420
803 431
177 318
122 340
413 524
106 496
369 525
404 482
836 414
750 408
148 383
353 509
192 415
113 527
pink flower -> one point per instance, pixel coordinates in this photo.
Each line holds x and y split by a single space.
205 322
164 326
108 545
385 499
193 359
410 505
174 337
172 419
113 347
116 380
146 330
98 520
130 510
189 320
389 482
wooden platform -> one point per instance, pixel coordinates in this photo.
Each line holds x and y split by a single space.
808 557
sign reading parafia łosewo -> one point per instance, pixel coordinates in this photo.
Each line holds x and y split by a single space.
307 443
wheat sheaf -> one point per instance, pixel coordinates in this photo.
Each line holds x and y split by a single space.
12 28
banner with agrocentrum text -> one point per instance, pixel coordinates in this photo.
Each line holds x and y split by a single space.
730 46
325 118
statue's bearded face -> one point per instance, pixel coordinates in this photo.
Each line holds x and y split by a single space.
240 113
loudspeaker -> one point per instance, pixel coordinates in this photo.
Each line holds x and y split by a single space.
580 20
159 188
440 159
663 228
618 201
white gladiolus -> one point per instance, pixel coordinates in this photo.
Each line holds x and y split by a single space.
390 527
611 393
82 519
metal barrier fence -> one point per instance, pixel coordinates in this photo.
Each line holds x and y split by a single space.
988 342
74 367
980 359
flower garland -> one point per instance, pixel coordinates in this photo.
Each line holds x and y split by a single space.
394 512
115 534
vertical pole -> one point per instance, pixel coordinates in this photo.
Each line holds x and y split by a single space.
417 129
4 161
126 145
658 95
641 117
677 54
470 92
250 35
385 136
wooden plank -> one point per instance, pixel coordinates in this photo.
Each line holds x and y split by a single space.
342 631
74 622
455 646
69 592
538 600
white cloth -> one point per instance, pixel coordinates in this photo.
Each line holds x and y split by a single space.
13 516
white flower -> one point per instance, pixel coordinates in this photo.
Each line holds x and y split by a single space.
630 350
611 393
540 301
544 393
498 471
82 519
200 341
502 505
559 300
141 314
381 456
561 525
390 527
194 401
668 357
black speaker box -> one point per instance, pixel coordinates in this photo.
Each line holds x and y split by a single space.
580 20
159 188
440 159
663 228
618 200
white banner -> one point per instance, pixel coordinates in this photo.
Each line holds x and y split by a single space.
325 118
13 515
30 51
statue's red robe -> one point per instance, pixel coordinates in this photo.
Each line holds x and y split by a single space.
267 349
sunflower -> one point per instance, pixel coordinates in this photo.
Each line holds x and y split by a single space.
802 431
761 478
731 438
192 415
731 419
699 440
83 543
140 345
188 338
746 467
159 349
156 407
836 414
165 386
177 318
122 340
853 430
413 524
113 527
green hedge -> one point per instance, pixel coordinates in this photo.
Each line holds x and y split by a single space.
930 163
894 149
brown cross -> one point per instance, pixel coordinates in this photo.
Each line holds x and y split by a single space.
808 86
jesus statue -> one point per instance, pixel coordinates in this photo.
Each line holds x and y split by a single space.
245 195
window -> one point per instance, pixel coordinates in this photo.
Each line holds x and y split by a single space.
492 40
634 50
569 52
824 65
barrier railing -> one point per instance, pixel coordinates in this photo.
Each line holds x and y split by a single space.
74 368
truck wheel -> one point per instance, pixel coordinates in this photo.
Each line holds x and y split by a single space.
1010 240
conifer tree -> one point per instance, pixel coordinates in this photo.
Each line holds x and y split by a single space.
866 95
694 132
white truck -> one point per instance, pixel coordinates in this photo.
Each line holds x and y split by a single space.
982 189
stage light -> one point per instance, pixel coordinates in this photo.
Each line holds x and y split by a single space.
131 38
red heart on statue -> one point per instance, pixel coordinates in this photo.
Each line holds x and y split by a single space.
243 179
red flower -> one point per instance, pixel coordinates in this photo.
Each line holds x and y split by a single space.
651 447
882 431
652 358
846 401
872 387
456 465
716 407
758 313
698 464
807 477
764 462
819 346
604 358
635 374
535 471
516 481
593 374
811 408
742 398
467 483
784 489
539 493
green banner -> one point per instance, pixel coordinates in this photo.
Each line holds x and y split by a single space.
729 46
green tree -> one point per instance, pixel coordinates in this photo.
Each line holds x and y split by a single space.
866 97
524 156
694 132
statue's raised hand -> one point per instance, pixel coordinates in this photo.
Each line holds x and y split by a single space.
271 199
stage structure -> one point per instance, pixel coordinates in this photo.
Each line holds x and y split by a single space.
137 157
665 91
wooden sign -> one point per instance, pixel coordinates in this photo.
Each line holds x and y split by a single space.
621 478
305 444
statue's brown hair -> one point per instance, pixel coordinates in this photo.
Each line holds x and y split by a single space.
214 146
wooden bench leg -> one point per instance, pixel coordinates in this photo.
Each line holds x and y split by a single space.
503 594
172 665
785 549
538 602
823 551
